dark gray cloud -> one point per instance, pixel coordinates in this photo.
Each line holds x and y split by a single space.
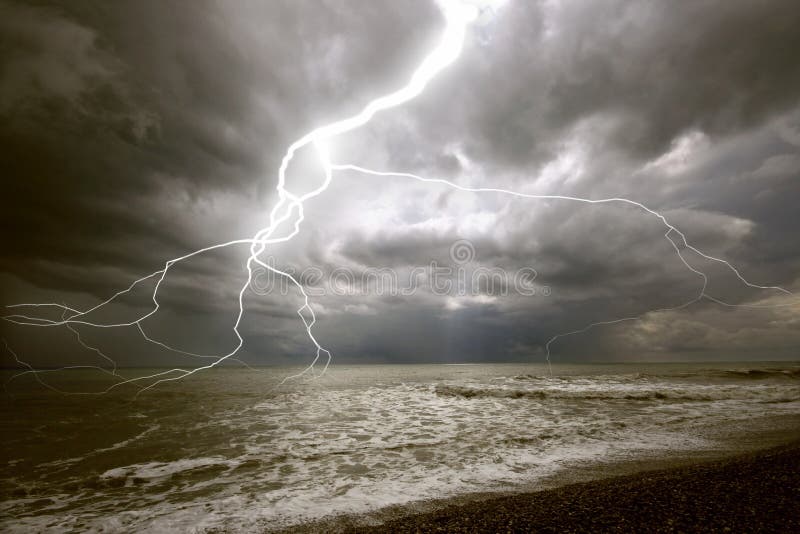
136 132
645 72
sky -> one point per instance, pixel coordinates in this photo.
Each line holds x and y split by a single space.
134 132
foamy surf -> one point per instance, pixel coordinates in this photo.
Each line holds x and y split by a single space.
215 453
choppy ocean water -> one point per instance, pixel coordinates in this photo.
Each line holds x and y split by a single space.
226 450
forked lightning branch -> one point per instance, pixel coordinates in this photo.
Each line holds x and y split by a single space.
289 212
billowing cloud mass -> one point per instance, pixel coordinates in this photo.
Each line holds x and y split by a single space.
135 132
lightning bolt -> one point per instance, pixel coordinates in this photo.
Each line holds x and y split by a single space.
671 229
457 14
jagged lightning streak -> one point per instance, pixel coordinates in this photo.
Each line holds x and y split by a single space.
457 15
619 200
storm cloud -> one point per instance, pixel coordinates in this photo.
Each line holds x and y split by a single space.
136 132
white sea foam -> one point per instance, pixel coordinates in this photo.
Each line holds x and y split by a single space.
350 443
158 470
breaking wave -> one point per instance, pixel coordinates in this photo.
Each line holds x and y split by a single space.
758 374
707 395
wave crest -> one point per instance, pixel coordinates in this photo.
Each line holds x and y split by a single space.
469 392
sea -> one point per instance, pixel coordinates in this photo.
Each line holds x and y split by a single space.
232 449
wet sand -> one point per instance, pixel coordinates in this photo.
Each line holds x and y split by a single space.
752 492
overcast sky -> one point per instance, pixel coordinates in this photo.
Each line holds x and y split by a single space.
135 132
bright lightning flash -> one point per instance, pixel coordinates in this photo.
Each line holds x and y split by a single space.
458 14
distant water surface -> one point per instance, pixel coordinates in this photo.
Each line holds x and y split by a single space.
226 450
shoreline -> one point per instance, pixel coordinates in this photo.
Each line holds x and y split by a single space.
751 492
582 486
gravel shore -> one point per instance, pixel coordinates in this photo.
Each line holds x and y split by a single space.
757 492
